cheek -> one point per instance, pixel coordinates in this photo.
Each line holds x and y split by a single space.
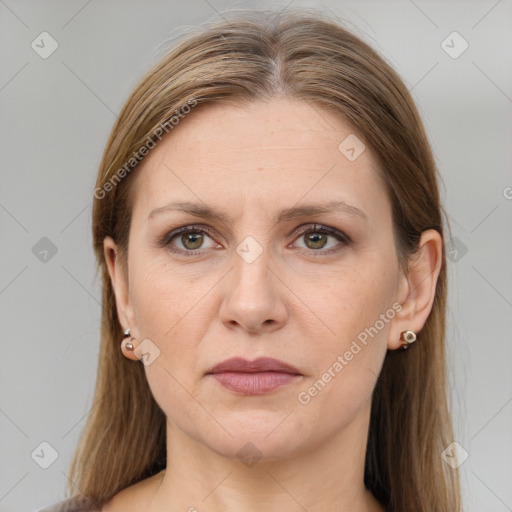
173 311
356 311
352 298
162 298
169 312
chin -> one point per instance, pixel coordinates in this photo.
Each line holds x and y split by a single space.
259 434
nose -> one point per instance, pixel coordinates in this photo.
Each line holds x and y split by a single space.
254 296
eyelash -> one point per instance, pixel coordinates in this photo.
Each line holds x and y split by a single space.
315 228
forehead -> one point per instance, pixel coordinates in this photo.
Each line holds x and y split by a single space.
266 154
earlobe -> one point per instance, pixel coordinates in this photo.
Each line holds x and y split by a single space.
417 288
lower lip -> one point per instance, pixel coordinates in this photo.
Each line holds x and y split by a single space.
254 383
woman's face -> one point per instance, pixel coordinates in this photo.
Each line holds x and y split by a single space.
317 291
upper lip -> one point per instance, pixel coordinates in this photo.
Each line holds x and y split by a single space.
262 364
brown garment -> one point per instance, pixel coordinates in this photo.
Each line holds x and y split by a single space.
73 504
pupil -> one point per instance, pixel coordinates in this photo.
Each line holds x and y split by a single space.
193 239
315 239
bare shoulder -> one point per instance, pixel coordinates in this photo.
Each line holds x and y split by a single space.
135 497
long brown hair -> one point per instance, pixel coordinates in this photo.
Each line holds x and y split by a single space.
258 56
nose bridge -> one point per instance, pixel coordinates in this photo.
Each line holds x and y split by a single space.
254 243
251 262
252 298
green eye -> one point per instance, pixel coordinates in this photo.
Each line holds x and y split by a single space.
195 239
316 237
192 238
318 240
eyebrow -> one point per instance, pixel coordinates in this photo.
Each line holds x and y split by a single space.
204 211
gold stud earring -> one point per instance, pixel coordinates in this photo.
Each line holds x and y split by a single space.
407 338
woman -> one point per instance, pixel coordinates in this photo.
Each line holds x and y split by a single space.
268 227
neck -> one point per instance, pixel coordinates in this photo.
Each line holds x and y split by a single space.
327 477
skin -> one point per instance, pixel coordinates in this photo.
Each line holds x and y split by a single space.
291 303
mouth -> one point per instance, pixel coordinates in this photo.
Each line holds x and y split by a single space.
257 377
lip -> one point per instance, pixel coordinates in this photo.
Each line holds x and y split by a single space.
262 364
257 377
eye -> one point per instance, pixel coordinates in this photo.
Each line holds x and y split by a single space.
191 239
316 238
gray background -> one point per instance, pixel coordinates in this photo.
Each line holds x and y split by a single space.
56 116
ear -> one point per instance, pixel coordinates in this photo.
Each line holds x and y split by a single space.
119 278
417 287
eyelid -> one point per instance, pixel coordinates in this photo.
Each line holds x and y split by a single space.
166 239
325 229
